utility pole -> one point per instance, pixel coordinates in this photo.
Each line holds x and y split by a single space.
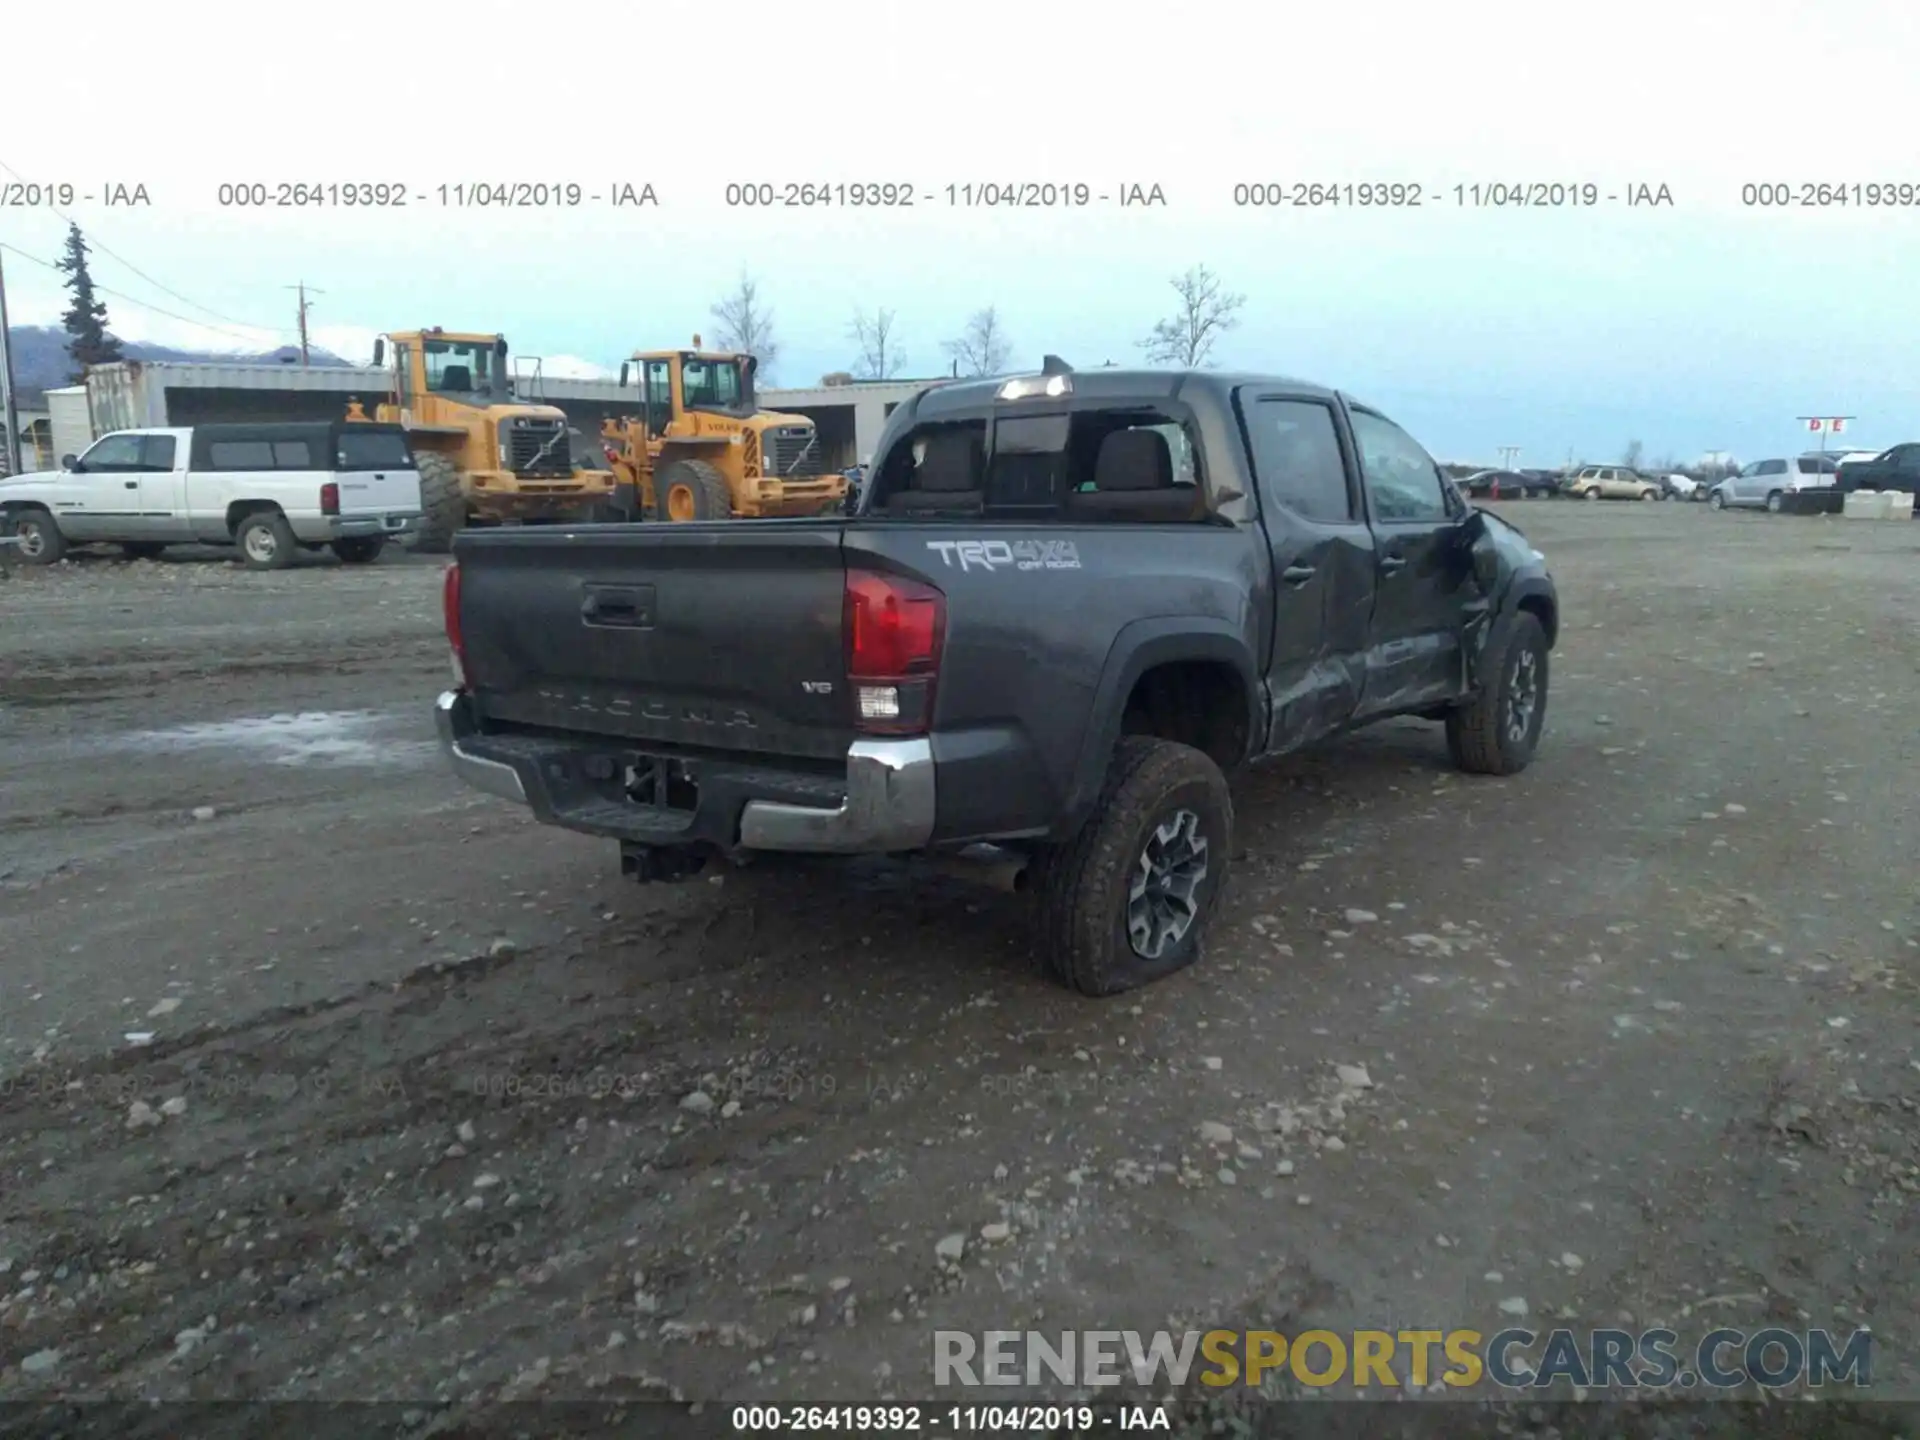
1508 454
8 413
305 305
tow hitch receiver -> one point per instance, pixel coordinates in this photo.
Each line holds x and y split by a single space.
646 864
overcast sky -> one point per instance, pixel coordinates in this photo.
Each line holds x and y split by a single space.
1702 325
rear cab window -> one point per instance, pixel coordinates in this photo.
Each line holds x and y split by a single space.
372 450
1126 463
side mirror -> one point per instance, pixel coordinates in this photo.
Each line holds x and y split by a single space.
380 352
68 462
500 347
626 371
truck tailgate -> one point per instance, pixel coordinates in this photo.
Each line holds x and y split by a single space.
378 492
662 632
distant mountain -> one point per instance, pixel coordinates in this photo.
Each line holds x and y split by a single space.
41 362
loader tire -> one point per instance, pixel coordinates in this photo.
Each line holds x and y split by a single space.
692 490
443 504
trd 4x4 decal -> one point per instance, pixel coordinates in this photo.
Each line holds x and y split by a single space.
1008 554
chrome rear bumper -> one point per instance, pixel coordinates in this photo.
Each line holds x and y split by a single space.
454 721
889 804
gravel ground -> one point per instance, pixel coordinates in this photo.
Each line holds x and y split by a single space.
321 1076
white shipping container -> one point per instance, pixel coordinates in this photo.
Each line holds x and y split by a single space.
69 421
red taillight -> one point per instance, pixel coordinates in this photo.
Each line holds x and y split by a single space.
330 499
450 613
894 631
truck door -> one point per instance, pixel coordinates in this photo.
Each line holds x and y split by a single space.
1322 563
1415 657
163 487
102 496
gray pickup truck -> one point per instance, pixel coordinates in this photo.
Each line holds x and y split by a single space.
1068 606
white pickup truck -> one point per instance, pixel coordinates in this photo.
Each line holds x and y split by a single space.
270 490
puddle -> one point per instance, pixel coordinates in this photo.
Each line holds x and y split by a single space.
313 737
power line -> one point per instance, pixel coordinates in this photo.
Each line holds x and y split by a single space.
253 339
97 244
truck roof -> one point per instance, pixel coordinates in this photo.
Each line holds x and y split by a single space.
1110 384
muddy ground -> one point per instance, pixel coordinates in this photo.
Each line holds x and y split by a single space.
321 1076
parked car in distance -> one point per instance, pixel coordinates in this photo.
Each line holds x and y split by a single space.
1768 484
1681 487
1504 485
1895 469
1071 605
1614 482
270 490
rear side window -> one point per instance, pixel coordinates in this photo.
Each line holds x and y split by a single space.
1296 457
156 452
374 450
241 455
292 455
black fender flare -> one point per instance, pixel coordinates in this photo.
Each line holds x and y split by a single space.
1524 589
1139 647
1534 587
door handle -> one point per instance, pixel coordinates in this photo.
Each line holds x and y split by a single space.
1391 563
133 484
1297 574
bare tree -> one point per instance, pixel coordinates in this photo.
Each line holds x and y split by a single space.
1630 457
880 354
1206 312
746 325
982 348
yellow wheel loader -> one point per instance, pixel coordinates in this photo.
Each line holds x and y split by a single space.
485 456
702 449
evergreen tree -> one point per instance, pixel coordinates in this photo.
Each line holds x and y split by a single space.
86 319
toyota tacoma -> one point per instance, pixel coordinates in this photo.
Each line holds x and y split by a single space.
1067 608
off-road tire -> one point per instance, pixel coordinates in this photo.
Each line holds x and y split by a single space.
359 549
443 503
264 541
142 549
1479 737
42 542
1084 885
1774 502
711 498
